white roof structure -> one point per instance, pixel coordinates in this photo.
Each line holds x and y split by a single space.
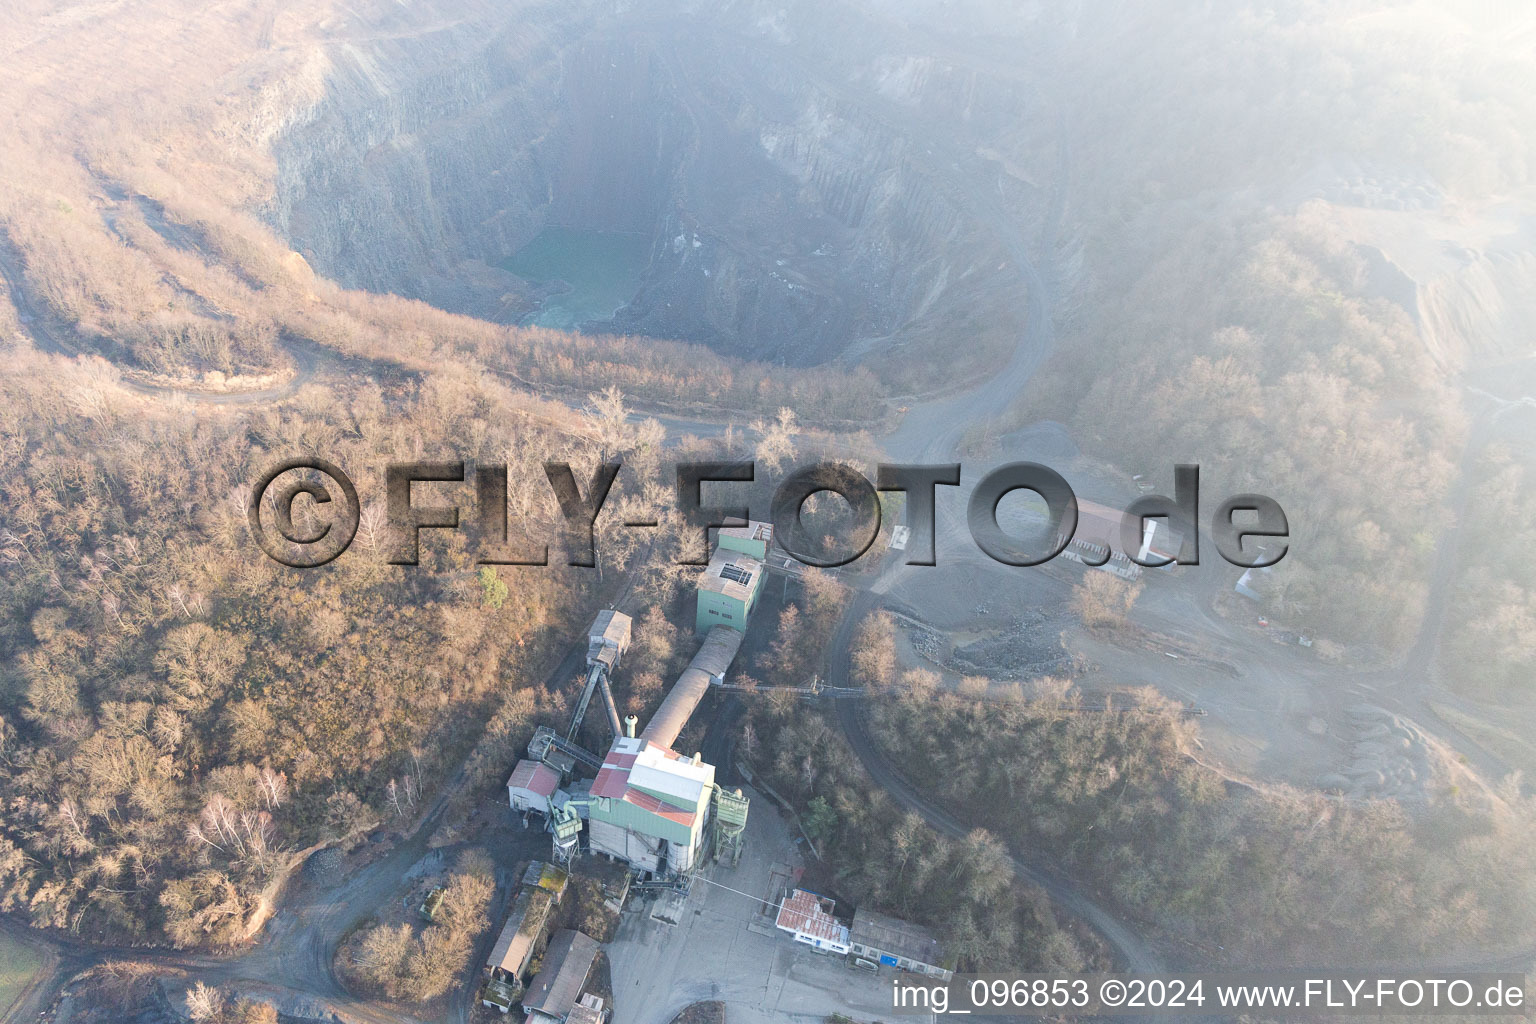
809 918
733 574
673 776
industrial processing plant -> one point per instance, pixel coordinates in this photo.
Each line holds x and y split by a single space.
657 809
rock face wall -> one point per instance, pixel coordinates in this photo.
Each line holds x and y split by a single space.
791 209
423 158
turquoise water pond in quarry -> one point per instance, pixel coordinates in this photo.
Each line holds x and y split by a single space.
600 270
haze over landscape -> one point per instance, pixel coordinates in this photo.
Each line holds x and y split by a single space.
1291 242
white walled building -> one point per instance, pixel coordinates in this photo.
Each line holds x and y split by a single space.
808 917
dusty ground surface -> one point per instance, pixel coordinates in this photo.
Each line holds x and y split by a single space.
724 948
1364 724
1273 711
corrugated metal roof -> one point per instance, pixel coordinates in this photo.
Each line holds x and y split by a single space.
567 962
803 912
655 779
610 783
1099 525
609 629
895 936
613 777
534 777
646 802
715 655
524 922
671 778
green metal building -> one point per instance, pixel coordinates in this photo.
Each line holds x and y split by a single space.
728 590
650 806
730 823
752 540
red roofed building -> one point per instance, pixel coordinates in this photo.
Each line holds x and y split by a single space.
1097 541
649 806
531 786
808 917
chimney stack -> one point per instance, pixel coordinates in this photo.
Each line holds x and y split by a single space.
630 721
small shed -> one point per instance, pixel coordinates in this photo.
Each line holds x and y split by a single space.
608 638
1096 541
550 877
531 786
